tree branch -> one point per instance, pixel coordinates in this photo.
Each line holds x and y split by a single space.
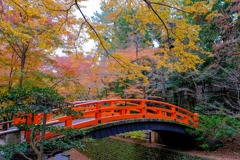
164 24
25 156
22 10
162 4
95 32
79 32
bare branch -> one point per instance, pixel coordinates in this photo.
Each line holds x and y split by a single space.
60 10
22 10
14 49
162 4
164 24
95 32
78 35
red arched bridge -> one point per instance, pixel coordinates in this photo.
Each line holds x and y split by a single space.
108 117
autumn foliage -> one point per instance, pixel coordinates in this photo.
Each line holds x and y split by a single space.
139 44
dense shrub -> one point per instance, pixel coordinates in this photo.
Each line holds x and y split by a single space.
215 130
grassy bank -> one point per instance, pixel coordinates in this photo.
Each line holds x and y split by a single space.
112 149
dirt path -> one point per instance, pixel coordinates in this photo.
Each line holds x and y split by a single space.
74 155
230 151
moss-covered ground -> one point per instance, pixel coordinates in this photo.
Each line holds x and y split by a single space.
113 149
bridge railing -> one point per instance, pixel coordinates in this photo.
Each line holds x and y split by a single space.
112 110
103 111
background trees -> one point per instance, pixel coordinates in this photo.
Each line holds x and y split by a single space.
30 32
125 35
215 88
184 52
155 49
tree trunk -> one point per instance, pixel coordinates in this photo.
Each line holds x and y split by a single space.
137 52
23 58
23 61
33 145
163 81
11 74
43 132
144 92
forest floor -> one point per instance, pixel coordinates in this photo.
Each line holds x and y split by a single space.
230 151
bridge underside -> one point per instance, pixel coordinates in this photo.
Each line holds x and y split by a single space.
167 133
113 128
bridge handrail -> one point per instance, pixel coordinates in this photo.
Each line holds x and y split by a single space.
102 113
134 100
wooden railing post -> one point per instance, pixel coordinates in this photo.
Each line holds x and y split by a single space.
128 111
122 112
195 119
111 106
186 119
174 113
37 119
98 114
28 122
68 122
143 110
48 116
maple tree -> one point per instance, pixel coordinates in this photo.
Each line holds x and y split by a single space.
75 76
30 31
176 37
129 30
42 29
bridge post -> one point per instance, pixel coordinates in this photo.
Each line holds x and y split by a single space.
68 122
48 117
174 113
98 114
195 119
143 110
28 121
36 119
186 119
111 106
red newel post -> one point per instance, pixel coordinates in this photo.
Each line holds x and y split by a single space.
196 119
111 106
143 110
68 122
98 113
29 122
174 115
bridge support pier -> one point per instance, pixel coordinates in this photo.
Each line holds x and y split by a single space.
173 139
